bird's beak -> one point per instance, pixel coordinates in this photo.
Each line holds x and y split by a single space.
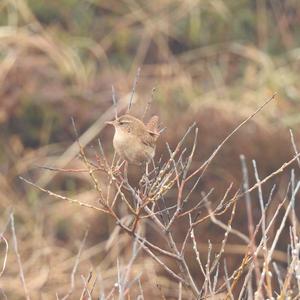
110 122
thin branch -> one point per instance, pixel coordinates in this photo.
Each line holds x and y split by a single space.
86 162
85 287
278 171
134 88
114 99
72 284
195 248
149 103
208 161
74 201
147 243
21 272
6 248
66 170
249 215
264 238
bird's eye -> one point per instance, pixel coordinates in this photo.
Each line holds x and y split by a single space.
123 122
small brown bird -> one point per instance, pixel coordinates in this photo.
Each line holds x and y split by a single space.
135 141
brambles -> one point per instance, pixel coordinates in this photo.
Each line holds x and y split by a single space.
146 205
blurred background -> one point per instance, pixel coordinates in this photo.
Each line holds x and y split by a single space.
213 62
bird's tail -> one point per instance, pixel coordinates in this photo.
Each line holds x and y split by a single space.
152 125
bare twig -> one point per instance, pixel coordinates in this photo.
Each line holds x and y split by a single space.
77 261
264 238
149 103
208 161
5 254
134 88
114 101
21 272
278 171
249 215
85 288
195 248
74 201
84 139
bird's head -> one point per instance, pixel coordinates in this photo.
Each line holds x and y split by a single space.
124 123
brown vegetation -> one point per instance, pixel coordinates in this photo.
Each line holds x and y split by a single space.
212 63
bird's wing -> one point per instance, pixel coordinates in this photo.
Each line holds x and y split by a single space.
148 140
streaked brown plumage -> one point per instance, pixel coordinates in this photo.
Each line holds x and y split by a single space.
135 141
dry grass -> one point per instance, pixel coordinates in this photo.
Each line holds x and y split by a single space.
207 68
146 204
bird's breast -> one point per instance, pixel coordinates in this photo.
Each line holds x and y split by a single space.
131 148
